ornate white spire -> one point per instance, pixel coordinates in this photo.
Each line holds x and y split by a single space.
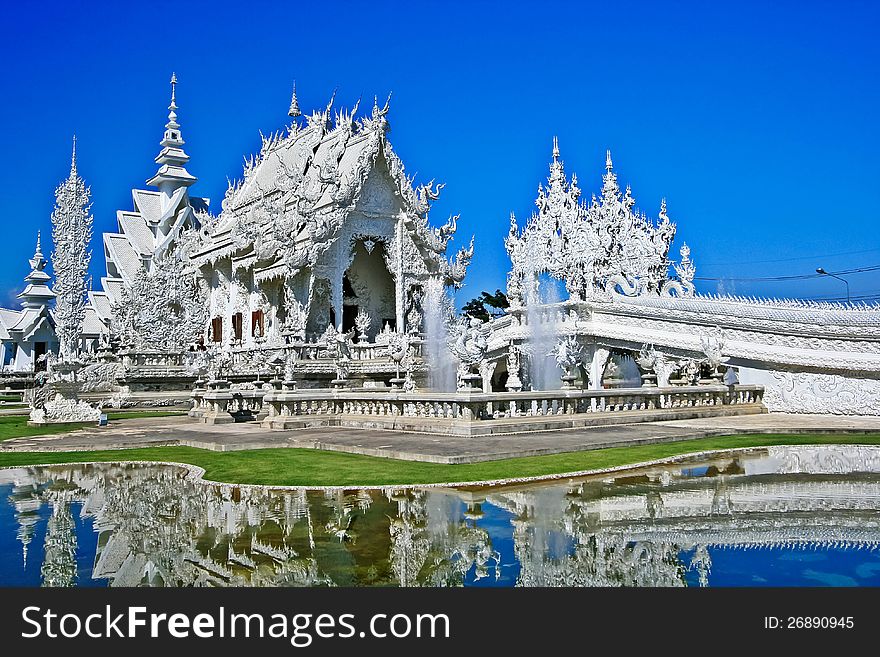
38 261
172 108
37 292
72 234
557 169
172 159
608 164
294 110
72 169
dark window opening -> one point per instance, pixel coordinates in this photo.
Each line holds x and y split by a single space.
257 325
217 329
39 350
236 326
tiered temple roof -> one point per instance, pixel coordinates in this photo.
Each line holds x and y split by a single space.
35 299
296 193
158 216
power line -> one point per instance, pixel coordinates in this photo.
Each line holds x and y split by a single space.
798 277
831 297
762 262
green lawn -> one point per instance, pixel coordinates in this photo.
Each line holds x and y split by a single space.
304 467
15 426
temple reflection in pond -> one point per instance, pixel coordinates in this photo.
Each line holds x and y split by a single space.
666 526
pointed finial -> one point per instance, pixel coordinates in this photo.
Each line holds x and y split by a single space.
173 85
355 108
555 148
375 106
72 168
387 103
330 104
172 114
294 110
608 164
38 262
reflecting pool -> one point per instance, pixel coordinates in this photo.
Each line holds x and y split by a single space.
783 516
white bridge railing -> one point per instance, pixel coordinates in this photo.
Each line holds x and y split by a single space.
498 405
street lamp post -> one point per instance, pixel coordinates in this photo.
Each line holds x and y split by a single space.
819 270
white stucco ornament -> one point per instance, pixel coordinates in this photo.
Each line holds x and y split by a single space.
603 245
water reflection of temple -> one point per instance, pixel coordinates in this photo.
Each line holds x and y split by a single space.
157 527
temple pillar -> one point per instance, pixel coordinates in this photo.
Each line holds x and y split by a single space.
399 281
487 369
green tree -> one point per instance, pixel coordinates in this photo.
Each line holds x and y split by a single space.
477 307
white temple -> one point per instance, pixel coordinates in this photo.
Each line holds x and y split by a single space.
29 333
322 272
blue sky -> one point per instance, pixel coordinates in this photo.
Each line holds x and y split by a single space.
757 121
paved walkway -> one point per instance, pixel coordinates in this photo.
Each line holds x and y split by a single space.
180 430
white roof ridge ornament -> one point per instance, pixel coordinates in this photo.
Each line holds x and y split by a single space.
294 110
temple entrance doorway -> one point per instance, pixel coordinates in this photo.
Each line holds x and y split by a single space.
348 315
368 286
39 350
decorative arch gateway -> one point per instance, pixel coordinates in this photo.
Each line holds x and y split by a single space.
594 247
601 248
809 356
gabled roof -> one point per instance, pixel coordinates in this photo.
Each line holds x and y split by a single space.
148 203
29 320
7 318
101 302
307 183
112 287
92 324
135 228
122 254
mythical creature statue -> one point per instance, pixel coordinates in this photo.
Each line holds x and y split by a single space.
469 344
651 360
514 383
713 347
397 349
338 346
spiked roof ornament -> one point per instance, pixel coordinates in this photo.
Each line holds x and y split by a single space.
608 164
38 262
294 110
172 159
330 104
72 174
172 113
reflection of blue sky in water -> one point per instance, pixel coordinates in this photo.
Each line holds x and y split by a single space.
21 566
806 566
703 523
